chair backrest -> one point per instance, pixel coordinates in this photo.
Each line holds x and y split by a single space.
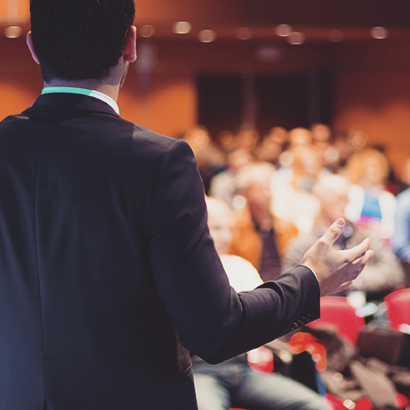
335 311
398 308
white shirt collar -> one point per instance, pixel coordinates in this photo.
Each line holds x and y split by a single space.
84 91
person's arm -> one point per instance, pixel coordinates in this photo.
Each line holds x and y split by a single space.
214 321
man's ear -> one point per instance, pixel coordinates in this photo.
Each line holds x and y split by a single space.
30 46
130 51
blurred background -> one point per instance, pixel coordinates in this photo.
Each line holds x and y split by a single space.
225 63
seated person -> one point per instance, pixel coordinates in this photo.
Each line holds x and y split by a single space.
370 205
401 235
258 236
210 159
382 274
293 198
233 382
222 185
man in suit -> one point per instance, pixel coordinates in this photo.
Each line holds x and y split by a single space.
108 275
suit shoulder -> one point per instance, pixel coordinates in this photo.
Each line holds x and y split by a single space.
142 133
13 119
159 143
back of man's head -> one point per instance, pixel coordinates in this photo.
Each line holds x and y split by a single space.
79 39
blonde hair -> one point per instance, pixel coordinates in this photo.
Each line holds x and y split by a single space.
357 163
300 133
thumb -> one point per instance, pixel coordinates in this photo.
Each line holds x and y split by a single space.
334 231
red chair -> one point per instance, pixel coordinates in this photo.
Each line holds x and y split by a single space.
337 404
336 312
398 308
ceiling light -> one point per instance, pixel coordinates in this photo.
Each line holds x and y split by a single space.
207 36
181 27
296 38
335 35
283 30
147 31
379 32
244 33
13 31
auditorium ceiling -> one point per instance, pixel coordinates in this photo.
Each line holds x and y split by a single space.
225 20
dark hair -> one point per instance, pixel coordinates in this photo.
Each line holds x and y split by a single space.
79 39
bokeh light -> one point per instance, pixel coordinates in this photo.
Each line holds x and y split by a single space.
283 30
207 36
335 35
13 31
296 38
147 31
379 32
181 27
244 33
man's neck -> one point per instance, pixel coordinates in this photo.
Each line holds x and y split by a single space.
111 90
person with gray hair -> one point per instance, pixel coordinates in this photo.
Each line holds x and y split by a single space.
259 236
382 274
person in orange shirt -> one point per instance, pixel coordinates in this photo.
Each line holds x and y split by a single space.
259 236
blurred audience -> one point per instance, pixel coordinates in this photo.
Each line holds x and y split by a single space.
293 200
322 141
259 237
272 146
401 235
234 383
370 205
225 140
210 159
280 195
382 274
223 185
247 138
299 137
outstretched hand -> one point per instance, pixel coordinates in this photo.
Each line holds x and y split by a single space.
336 269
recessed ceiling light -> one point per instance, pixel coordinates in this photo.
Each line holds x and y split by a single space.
335 35
283 30
181 27
379 32
147 31
207 36
13 31
244 33
296 38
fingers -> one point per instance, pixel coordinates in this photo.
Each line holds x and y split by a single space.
334 231
369 254
359 264
344 286
358 251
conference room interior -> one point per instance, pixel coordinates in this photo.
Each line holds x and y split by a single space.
223 67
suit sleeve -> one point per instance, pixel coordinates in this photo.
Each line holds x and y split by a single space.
214 322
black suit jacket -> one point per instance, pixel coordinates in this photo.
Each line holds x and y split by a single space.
107 270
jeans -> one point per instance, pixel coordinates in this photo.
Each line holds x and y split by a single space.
235 384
